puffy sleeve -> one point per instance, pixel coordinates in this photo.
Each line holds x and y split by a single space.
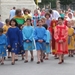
45 36
23 32
65 34
20 37
56 34
31 37
35 34
6 40
48 37
8 36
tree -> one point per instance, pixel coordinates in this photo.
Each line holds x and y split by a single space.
47 2
66 2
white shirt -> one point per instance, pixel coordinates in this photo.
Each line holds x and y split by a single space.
55 15
12 13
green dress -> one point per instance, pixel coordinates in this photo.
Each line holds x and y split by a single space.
20 20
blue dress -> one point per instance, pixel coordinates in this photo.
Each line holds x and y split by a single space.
3 45
21 49
14 39
28 35
40 34
48 40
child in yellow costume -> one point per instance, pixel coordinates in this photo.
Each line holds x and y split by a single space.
70 39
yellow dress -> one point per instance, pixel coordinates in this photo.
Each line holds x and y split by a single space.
70 39
74 41
27 16
5 28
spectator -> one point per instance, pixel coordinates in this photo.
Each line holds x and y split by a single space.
12 13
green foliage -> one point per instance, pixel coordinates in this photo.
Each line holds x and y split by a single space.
44 2
65 2
47 2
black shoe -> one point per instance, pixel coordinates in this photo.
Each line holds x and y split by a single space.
44 56
16 59
26 61
62 60
69 55
22 58
41 60
38 62
9 57
56 57
4 58
2 63
32 59
72 56
13 63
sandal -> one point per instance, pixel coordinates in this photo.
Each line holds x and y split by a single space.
32 59
38 62
2 63
46 58
60 63
26 61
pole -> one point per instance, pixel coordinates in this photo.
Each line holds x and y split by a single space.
36 4
50 5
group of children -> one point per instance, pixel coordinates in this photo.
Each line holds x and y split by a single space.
20 39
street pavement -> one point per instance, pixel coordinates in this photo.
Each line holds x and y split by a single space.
49 67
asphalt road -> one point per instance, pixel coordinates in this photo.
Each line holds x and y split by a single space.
49 67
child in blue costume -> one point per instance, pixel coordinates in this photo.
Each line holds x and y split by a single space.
35 18
3 44
28 39
40 39
48 42
14 40
21 49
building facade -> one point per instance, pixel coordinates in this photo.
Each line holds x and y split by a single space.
7 5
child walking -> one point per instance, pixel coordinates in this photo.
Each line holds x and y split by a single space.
40 39
3 45
60 35
70 39
48 42
13 36
21 48
5 29
28 40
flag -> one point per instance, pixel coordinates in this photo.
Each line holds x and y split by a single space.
37 2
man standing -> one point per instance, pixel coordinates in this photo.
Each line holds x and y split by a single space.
54 14
12 13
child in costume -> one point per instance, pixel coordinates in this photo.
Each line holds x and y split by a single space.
21 49
5 29
48 42
14 40
6 26
48 19
60 35
40 39
70 39
28 45
35 17
3 44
